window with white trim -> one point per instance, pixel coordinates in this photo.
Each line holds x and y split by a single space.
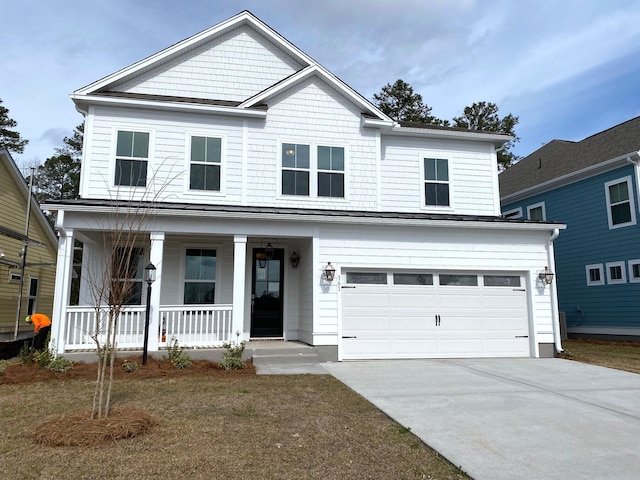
536 212
206 158
634 271
616 273
330 171
127 269
32 304
515 213
436 182
132 155
200 276
296 167
620 207
595 274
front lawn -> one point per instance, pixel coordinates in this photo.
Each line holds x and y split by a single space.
218 426
619 355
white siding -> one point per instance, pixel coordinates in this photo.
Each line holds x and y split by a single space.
471 172
439 249
233 67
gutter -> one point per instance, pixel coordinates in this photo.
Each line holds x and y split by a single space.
555 316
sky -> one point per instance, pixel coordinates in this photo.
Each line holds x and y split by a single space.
567 69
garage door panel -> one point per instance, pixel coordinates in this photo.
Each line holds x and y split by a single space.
368 323
507 346
413 299
367 298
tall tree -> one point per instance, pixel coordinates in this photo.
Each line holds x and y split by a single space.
401 103
484 116
9 137
59 177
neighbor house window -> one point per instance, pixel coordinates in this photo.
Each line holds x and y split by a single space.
200 276
515 213
595 274
295 169
127 268
206 157
620 207
616 273
436 182
634 271
536 212
330 171
33 296
132 155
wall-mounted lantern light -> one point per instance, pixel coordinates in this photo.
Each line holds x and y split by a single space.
329 272
294 259
546 276
265 254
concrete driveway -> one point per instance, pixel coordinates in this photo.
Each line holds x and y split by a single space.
511 418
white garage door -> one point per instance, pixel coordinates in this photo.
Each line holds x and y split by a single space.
433 315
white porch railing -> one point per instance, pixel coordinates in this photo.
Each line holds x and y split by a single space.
191 325
196 325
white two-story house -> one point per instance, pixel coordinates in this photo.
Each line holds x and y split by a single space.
277 202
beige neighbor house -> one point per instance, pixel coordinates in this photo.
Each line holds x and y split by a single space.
41 244
281 204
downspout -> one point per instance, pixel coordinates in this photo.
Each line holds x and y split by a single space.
636 168
555 316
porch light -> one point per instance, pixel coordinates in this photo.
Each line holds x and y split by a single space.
294 259
268 251
149 277
546 276
329 272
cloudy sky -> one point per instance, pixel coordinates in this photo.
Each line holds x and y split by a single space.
567 69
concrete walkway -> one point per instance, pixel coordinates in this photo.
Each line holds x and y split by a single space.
511 418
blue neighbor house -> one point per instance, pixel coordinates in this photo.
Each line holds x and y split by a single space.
592 186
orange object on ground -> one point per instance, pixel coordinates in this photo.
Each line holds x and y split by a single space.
39 320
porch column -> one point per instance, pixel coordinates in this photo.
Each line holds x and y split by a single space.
64 268
239 267
155 257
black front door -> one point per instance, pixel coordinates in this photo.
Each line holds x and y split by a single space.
266 294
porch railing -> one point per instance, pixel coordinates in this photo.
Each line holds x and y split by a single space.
192 326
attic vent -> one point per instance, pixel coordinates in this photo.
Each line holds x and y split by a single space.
14 277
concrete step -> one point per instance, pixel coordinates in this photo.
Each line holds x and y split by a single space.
288 358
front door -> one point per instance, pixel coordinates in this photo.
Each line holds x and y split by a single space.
266 294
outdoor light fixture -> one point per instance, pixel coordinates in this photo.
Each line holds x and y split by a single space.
265 254
294 259
546 276
149 277
329 272
268 251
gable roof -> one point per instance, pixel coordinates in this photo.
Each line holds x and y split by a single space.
36 212
245 18
561 160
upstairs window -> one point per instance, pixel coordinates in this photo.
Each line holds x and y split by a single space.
295 169
200 276
595 274
436 182
206 157
536 212
330 171
620 207
132 154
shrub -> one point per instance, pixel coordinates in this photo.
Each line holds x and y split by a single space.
130 367
3 365
232 358
60 364
25 355
177 356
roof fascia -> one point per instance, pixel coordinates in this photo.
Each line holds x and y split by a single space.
24 188
244 17
570 178
316 69
168 212
495 138
167 105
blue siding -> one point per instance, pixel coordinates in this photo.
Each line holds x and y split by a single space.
588 240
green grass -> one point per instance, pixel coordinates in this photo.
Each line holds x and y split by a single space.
249 427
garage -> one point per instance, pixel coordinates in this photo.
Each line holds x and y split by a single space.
387 314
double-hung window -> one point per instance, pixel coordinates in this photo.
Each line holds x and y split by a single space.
620 207
132 155
634 271
595 274
536 212
33 295
330 171
616 273
200 276
295 169
436 182
206 157
127 268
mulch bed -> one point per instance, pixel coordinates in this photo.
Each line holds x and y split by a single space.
155 368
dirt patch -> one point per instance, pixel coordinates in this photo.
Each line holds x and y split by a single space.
17 373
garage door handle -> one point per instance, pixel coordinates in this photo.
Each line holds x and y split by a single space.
347 286
437 320
349 337
522 336
519 290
